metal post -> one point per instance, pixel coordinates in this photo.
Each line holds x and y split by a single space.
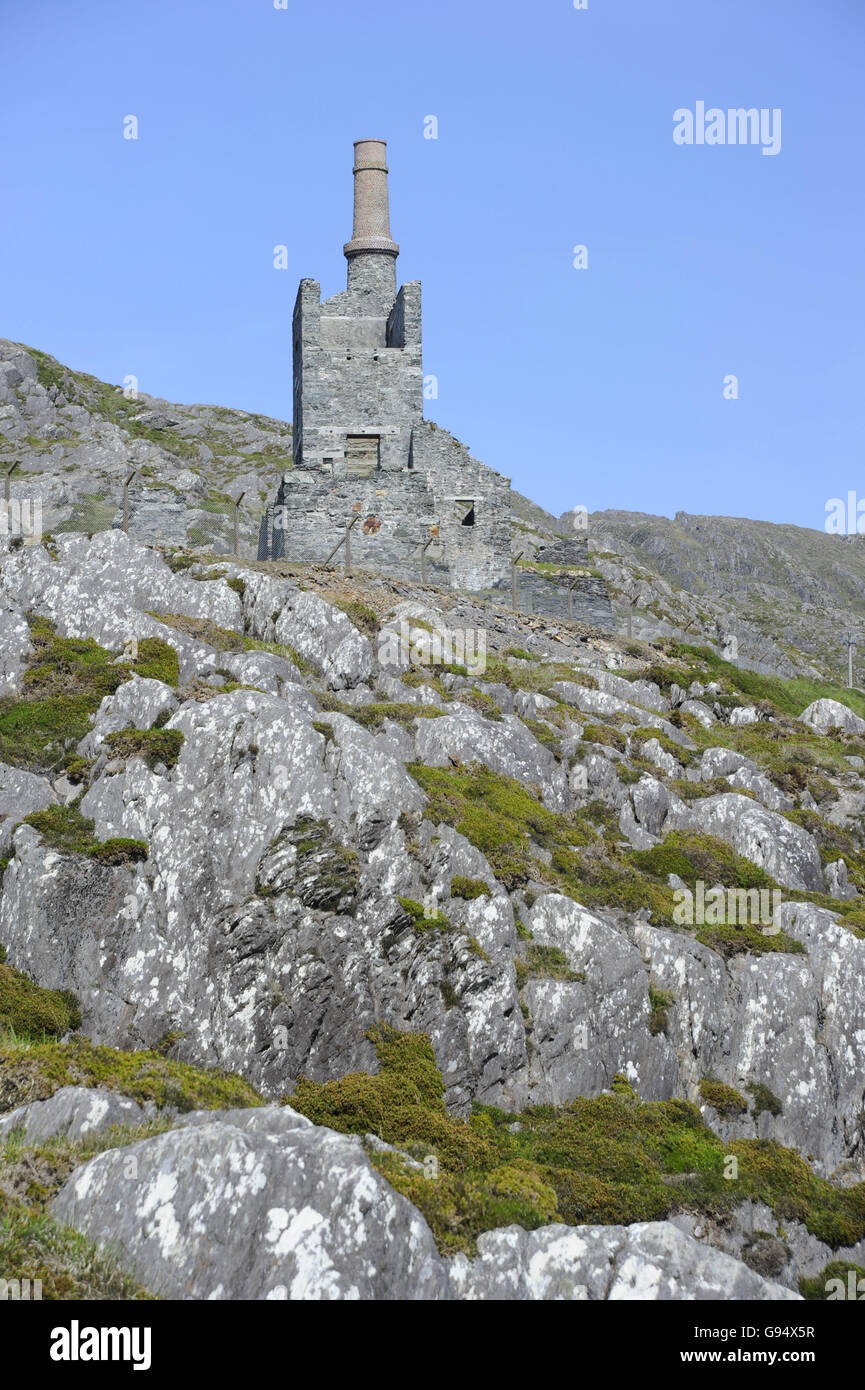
343 539
514 592
571 588
423 550
851 641
237 502
126 501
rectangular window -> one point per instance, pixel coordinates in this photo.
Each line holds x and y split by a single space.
361 455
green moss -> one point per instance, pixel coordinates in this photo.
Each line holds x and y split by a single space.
789 696
660 1002
468 888
67 1266
364 618
65 829
692 857
157 660
63 685
544 962
609 738
728 1102
609 1159
29 1011
36 1072
763 1099
153 745
479 700
237 584
422 919
372 716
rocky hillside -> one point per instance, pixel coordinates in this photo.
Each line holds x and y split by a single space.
72 440
786 593
536 973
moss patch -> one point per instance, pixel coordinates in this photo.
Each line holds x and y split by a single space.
66 830
605 1160
153 745
28 1011
36 1072
468 888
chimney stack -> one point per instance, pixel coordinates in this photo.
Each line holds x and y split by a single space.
371 231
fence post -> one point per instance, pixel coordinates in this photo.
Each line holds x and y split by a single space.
237 502
423 550
514 593
126 501
345 538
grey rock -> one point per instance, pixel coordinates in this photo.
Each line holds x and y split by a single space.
254 1205
786 851
824 715
21 793
77 1112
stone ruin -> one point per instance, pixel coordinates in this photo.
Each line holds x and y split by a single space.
365 457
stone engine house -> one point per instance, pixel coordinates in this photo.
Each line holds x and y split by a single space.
363 452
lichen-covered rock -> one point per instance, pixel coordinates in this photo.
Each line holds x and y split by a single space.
785 850
649 1261
257 1204
505 745
20 794
824 715
76 1112
136 704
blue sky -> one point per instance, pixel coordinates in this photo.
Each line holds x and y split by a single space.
601 387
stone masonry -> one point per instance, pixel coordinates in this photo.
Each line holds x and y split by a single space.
363 452
362 448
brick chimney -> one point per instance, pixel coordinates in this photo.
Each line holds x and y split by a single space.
371 253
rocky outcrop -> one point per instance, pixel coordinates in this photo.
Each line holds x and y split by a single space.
261 1204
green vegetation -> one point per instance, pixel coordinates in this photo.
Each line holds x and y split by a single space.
224 640
544 962
468 888
65 829
696 856
728 1102
817 1287
64 683
763 1099
423 919
660 1002
32 1245
363 617
506 821
153 745
789 696
605 1160
28 1011
36 1072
